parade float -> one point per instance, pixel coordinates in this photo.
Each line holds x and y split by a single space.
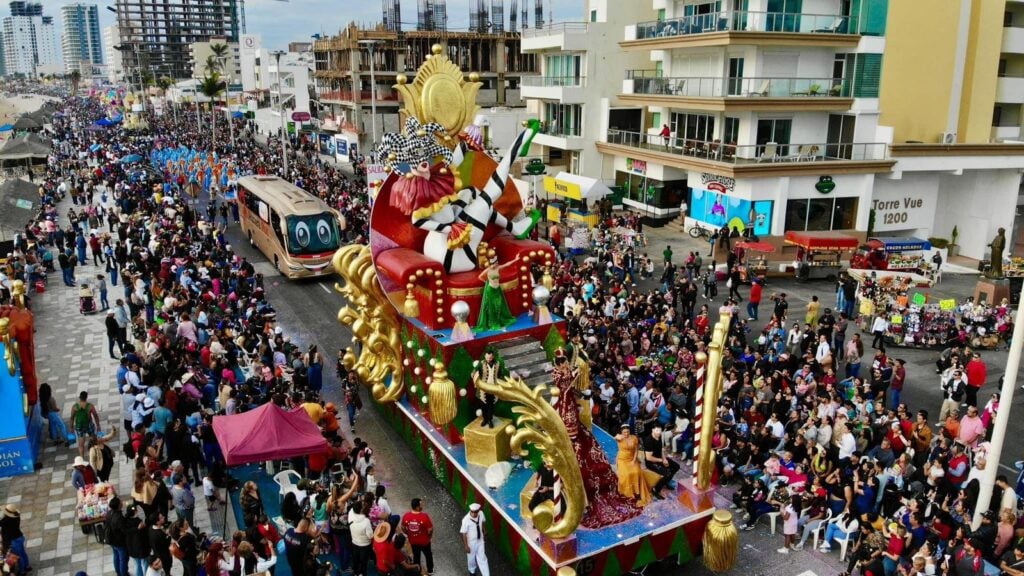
453 337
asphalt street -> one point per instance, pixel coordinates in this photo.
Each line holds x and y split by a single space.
308 310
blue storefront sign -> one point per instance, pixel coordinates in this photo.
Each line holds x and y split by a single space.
718 209
19 431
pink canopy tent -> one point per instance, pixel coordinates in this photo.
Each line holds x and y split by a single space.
267 433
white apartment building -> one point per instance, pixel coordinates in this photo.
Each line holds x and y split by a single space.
115 64
580 65
30 45
81 41
261 81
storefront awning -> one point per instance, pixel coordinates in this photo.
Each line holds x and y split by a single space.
899 244
821 240
575 187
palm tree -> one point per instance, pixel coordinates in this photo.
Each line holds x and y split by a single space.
76 77
220 51
210 86
212 65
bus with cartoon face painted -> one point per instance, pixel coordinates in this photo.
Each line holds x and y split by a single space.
295 230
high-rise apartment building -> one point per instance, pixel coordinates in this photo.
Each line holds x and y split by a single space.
30 41
112 56
81 43
156 36
801 115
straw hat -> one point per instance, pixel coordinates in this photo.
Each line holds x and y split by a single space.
79 461
382 533
11 511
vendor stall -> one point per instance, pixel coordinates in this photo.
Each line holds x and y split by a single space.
576 195
753 263
93 506
906 254
913 318
820 253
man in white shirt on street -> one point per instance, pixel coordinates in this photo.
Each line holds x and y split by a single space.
473 539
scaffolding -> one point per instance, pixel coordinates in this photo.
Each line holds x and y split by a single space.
392 10
538 14
497 16
432 15
513 13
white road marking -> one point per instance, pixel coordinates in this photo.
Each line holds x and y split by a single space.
326 289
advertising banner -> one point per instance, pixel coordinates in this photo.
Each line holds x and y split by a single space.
719 209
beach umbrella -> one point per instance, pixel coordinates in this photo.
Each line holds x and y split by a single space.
95 147
131 159
27 123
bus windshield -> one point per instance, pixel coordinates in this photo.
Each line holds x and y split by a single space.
312 234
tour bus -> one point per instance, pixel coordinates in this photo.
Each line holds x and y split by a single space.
295 230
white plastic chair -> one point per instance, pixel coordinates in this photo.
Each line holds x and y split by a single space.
820 530
287 481
771 152
844 544
773 518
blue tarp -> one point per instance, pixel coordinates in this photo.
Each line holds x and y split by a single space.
901 243
131 159
95 147
237 115
6 127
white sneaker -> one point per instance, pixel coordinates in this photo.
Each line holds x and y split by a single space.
783 550
825 548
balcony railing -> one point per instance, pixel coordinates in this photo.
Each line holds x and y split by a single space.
740 20
750 153
560 131
554 81
364 95
718 87
557 28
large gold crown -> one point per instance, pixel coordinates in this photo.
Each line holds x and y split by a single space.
440 93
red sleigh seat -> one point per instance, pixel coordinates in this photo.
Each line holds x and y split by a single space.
397 252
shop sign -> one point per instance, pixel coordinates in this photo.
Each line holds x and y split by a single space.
947 305
340 148
638 166
562 188
825 185
716 183
919 299
901 213
16 457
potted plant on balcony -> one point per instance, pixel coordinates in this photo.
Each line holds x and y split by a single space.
815 89
836 90
954 248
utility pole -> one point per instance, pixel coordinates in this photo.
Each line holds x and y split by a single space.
280 105
227 100
991 472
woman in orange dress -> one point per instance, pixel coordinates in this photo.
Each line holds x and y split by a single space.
632 483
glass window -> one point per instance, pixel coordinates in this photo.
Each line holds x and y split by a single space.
732 130
844 216
796 214
819 214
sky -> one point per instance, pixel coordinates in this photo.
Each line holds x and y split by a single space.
295 21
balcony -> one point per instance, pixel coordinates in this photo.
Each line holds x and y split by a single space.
558 36
742 27
751 160
360 96
555 136
565 89
1010 90
1013 40
1005 133
648 88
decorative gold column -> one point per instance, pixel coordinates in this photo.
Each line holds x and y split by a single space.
712 392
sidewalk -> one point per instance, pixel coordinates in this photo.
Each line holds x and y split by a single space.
71 355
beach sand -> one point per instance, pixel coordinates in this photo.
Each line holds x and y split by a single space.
11 107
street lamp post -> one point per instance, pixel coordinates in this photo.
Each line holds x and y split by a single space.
195 98
280 106
373 93
227 100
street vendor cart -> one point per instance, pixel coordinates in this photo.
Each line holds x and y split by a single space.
820 254
93 508
902 254
754 264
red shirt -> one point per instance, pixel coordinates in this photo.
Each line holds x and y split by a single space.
976 373
387 556
417 527
755 293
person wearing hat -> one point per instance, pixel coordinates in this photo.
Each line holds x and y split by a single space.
472 531
383 551
10 532
329 421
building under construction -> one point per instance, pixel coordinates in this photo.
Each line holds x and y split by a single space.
343 66
155 36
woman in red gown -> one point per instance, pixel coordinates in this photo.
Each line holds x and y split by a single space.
605 506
